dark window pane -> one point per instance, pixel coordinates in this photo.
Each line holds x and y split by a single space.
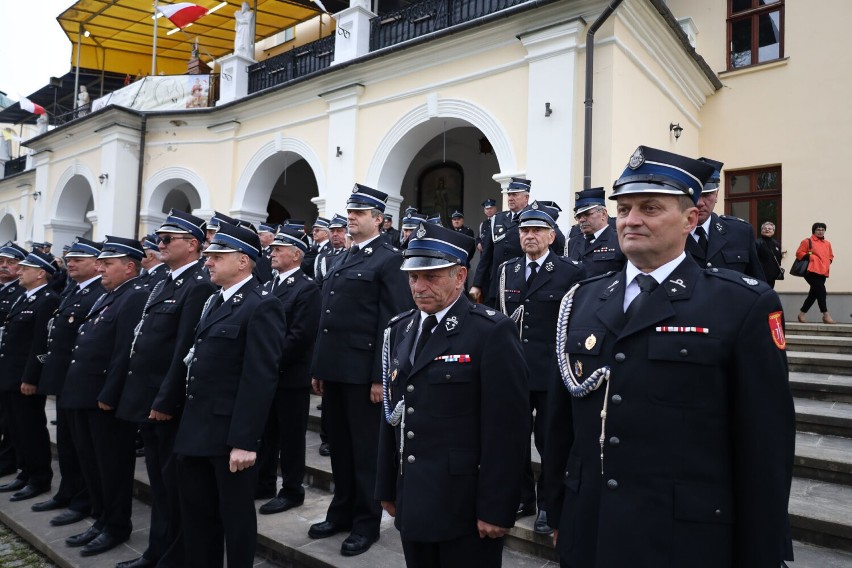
769 36
767 2
741 43
767 210
741 209
767 181
740 5
739 184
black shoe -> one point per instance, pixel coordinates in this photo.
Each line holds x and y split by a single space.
67 517
525 510
50 505
356 544
102 543
325 449
15 485
279 505
28 492
140 562
540 526
83 538
325 529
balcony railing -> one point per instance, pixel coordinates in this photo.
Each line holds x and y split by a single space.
429 16
297 62
15 166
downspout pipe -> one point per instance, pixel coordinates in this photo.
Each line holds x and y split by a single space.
144 128
590 71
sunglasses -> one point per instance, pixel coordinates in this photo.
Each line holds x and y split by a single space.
168 239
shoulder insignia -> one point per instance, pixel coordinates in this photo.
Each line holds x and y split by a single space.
750 281
138 287
732 218
598 277
264 292
737 277
398 317
776 327
368 251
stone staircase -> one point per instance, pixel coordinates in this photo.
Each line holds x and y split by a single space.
820 358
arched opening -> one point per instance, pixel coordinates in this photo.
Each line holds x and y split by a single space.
171 190
282 186
75 212
8 229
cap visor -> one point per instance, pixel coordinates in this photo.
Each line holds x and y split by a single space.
640 187
425 263
216 247
535 223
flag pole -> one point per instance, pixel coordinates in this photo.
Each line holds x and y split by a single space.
154 54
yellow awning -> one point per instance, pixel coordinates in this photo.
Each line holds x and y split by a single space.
121 32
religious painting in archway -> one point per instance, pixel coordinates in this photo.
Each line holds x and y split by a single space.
441 191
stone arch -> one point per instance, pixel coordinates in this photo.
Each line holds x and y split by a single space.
256 183
178 187
405 138
73 212
8 226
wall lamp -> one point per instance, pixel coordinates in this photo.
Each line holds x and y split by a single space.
102 178
676 128
547 110
339 152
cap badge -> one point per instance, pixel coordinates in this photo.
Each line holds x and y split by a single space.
591 341
517 268
534 205
549 266
750 281
368 251
355 189
637 159
451 323
421 232
578 368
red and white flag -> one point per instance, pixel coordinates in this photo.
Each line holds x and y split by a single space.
29 106
182 14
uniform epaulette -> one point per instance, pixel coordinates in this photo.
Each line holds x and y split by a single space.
757 286
732 218
306 277
486 312
389 246
401 316
567 260
597 277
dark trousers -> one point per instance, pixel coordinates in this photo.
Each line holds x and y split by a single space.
353 432
323 427
531 489
816 293
284 443
8 459
72 490
105 447
165 538
217 508
27 424
462 552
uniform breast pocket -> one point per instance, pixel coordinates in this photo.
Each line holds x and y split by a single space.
360 282
451 390
224 331
690 362
734 256
549 295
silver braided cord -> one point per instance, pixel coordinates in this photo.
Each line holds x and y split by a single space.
518 315
138 329
392 418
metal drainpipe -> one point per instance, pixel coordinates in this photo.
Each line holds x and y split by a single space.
144 128
590 67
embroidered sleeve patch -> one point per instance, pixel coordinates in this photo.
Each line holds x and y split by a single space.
776 327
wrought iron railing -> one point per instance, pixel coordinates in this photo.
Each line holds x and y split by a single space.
15 166
297 62
429 16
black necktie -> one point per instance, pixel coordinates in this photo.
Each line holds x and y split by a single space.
702 239
646 284
589 238
354 249
425 333
533 272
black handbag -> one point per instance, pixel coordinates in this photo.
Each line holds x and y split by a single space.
800 267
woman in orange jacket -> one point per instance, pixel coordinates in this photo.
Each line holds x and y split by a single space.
818 249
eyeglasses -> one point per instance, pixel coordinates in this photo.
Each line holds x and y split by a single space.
168 239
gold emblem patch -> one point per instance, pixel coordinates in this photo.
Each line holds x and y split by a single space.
591 341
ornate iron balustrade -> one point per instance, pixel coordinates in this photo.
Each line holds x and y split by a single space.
429 16
297 62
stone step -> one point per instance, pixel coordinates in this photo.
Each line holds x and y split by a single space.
819 344
823 458
826 363
835 388
824 417
820 513
837 330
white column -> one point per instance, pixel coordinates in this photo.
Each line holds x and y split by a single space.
342 127
552 60
353 31
234 77
116 203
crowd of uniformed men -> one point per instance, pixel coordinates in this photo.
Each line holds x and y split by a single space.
644 354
